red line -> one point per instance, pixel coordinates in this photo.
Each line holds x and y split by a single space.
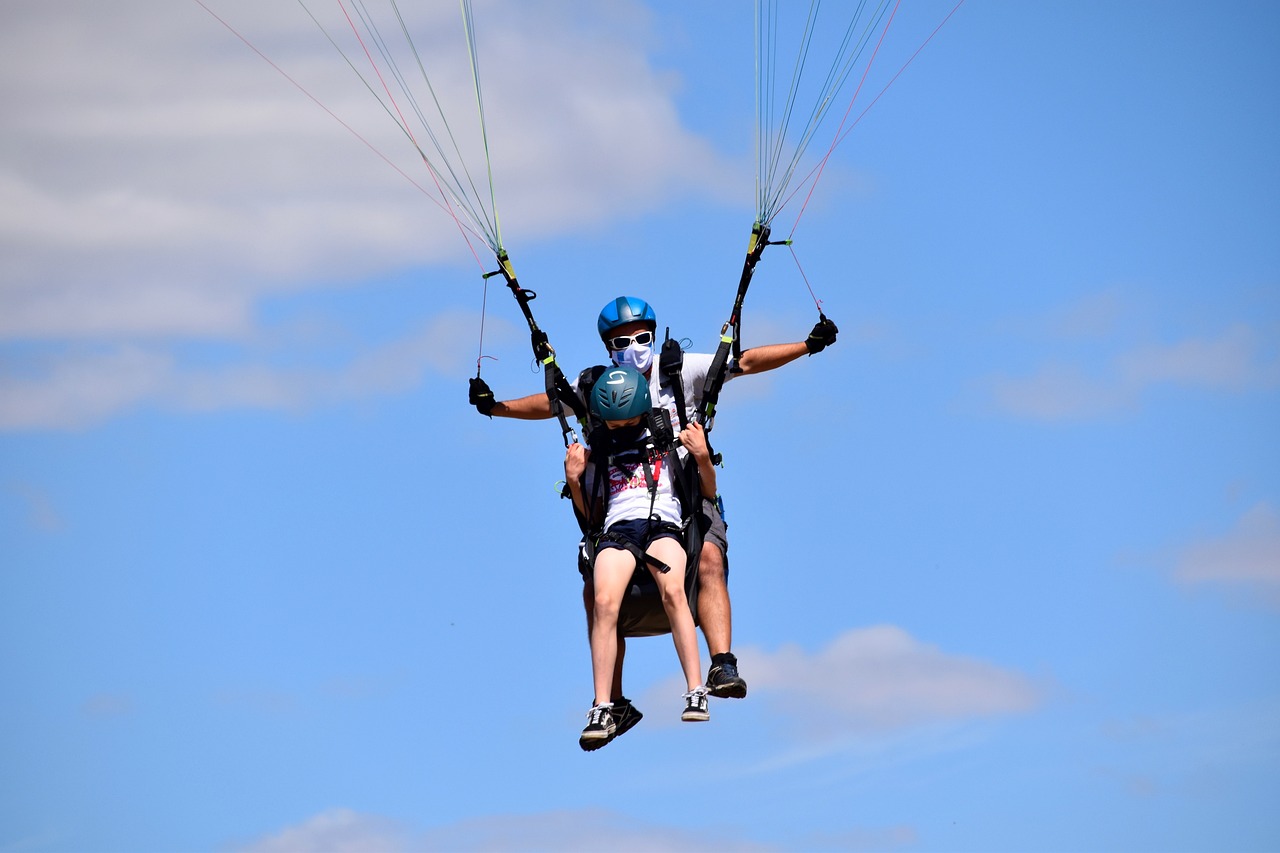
376 70
823 164
874 101
404 124
892 80
436 201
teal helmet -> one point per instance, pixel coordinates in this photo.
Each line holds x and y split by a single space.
620 394
624 310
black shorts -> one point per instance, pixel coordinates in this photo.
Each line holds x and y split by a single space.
716 534
639 532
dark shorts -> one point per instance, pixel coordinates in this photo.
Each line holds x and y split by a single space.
716 534
717 531
639 532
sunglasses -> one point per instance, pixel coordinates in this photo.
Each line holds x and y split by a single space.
623 341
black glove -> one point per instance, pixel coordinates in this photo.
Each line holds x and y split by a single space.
822 336
481 396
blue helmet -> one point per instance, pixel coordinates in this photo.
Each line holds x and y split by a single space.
620 394
624 310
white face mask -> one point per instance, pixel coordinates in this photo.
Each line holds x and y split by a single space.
638 356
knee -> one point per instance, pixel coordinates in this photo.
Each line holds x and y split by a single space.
711 564
605 607
672 596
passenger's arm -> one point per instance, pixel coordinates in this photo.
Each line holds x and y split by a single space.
575 464
694 439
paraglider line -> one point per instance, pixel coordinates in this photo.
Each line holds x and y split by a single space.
805 278
404 124
895 77
841 137
484 310
822 165
349 129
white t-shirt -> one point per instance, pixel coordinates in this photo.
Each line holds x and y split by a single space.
629 497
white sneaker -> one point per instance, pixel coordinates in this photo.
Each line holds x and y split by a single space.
695 706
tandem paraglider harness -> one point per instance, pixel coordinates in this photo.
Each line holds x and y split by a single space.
642 613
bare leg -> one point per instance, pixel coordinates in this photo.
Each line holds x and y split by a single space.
589 604
674 601
613 569
714 612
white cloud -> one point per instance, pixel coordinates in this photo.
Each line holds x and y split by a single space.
80 389
1094 316
1238 359
153 170
159 181
583 830
566 830
881 678
1234 360
335 831
341 830
1246 557
76 389
1057 392
876 680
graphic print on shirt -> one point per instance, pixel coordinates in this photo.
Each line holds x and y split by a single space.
623 477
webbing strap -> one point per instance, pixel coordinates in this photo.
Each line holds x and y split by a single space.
671 367
557 386
731 331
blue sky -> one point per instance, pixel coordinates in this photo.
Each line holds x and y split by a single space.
1005 559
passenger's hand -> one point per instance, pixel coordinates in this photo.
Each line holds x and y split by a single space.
575 462
694 439
481 396
822 336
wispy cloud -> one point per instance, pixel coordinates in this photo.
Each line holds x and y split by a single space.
1247 557
1239 358
876 680
169 174
563 831
881 678
335 831
164 184
42 514
569 830
80 387
102 705
577 830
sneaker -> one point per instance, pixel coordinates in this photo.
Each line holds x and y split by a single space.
724 682
625 715
600 728
695 706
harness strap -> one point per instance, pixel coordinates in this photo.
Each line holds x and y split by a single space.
557 387
731 331
641 557
685 481
670 368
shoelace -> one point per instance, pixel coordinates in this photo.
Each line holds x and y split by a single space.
696 698
595 717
